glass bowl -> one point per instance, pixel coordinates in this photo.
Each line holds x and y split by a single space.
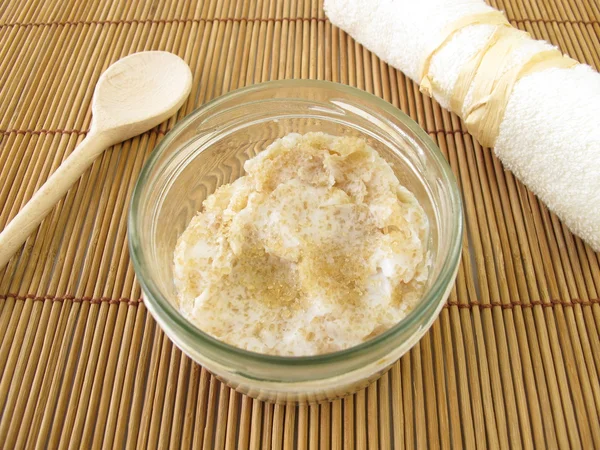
209 147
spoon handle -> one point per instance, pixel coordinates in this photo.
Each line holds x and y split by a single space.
26 221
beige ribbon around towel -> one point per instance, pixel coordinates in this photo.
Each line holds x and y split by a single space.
486 76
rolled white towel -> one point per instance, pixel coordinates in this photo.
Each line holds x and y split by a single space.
549 135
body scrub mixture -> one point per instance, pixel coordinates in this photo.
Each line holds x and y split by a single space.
317 249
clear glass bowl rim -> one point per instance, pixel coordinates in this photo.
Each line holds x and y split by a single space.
426 305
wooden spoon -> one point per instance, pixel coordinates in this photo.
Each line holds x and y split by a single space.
135 94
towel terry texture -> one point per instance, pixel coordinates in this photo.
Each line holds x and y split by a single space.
550 133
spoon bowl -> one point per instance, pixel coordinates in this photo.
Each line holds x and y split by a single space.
140 91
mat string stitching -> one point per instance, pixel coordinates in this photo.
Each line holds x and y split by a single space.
33 132
470 305
60 131
243 19
165 21
531 304
56 298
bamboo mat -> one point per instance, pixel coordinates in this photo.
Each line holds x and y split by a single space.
513 361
